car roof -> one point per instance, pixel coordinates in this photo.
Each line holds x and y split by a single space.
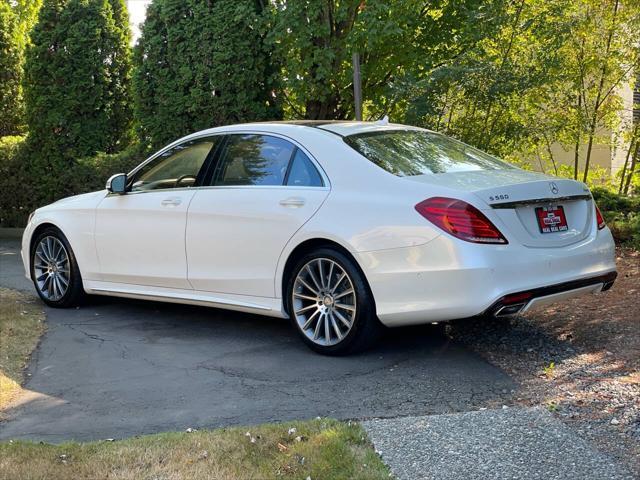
346 127
338 128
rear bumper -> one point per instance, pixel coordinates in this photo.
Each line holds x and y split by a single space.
521 302
448 279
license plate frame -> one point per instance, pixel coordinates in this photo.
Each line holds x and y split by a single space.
551 219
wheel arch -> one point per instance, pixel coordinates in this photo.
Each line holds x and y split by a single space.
36 231
308 246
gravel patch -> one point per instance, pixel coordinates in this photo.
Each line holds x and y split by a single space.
509 443
580 359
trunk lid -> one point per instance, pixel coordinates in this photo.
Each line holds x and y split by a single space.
513 196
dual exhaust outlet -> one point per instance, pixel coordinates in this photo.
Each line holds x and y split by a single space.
509 310
515 303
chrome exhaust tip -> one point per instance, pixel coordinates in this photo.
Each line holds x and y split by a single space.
509 310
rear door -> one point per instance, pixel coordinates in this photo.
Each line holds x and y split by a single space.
262 189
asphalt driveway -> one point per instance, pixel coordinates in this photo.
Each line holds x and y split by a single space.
115 368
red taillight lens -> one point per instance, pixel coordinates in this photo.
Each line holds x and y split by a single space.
460 219
599 219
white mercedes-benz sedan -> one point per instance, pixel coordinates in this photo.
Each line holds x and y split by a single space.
341 227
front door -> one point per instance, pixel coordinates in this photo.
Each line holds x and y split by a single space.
140 236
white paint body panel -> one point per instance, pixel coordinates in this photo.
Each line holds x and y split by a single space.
139 238
235 235
444 281
228 246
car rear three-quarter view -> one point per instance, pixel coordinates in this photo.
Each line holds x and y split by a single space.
342 227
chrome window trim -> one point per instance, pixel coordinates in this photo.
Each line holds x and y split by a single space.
223 187
294 142
165 149
314 161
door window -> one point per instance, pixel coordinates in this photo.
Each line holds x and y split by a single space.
178 167
302 172
253 160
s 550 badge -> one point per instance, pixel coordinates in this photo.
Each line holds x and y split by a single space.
499 197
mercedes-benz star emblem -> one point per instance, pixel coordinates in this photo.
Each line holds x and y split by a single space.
553 187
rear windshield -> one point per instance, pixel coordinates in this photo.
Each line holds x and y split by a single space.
415 152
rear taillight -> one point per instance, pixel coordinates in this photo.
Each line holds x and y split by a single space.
599 219
460 219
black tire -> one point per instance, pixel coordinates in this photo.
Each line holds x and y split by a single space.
74 293
365 327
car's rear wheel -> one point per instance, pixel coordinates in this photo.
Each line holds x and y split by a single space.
54 270
330 304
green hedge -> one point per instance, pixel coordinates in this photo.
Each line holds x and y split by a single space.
23 188
622 215
26 185
11 179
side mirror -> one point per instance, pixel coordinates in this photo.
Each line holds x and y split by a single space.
117 183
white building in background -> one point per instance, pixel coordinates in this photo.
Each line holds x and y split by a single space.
137 12
610 147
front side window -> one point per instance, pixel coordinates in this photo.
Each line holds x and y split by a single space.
178 167
253 160
415 152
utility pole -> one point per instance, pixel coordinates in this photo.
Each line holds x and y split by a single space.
357 86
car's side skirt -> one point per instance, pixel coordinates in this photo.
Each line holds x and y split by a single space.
259 305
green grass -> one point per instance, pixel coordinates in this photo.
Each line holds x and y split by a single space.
321 449
21 324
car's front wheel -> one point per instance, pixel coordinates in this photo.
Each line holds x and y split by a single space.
54 269
330 304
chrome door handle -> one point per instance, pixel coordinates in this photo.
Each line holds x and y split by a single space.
171 202
292 202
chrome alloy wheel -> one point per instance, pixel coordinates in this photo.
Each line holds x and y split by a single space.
52 268
324 301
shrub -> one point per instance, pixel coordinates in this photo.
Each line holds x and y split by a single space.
25 186
12 177
91 173
622 214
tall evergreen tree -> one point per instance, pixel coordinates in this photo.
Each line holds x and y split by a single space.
201 63
16 20
10 71
77 75
122 87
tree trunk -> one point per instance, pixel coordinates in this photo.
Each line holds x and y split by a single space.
597 104
576 153
515 28
626 159
540 160
553 160
632 168
592 133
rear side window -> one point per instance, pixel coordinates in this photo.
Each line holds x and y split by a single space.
414 152
253 160
302 172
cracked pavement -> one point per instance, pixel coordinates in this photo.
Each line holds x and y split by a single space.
116 368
